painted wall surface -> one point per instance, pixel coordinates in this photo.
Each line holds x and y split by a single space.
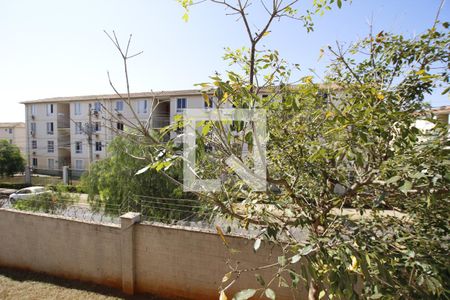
173 262
61 247
37 114
177 262
14 133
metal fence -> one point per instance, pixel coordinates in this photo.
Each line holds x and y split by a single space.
170 211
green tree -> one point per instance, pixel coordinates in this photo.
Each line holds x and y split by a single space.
342 158
11 160
113 185
345 163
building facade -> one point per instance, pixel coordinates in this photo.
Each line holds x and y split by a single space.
15 134
76 131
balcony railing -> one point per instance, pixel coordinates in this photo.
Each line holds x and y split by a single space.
160 121
63 122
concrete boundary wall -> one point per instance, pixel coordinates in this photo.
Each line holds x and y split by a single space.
169 261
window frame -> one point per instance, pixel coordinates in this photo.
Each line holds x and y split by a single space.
53 163
181 104
79 164
77 108
50 109
52 128
78 147
52 147
121 105
98 146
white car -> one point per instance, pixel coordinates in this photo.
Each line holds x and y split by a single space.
26 193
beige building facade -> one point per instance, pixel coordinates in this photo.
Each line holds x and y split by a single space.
76 131
15 134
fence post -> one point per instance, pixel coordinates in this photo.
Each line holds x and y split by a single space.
27 175
127 222
65 174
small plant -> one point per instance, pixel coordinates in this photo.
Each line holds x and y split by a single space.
48 202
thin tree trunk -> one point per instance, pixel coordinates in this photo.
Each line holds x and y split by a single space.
313 293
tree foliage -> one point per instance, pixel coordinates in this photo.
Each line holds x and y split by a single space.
345 163
11 160
114 185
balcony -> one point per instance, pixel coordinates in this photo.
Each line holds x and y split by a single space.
63 122
160 121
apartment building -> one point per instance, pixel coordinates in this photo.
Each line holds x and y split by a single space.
76 131
14 133
441 113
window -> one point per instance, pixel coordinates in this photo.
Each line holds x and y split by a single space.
97 126
119 105
33 109
181 104
50 146
33 128
77 108
97 106
98 146
10 130
24 191
79 164
35 162
78 128
209 103
51 163
49 109
142 106
34 144
78 147
120 126
49 127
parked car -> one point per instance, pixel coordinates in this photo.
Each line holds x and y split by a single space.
26 193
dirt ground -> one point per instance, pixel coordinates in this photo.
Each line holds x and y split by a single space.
16 284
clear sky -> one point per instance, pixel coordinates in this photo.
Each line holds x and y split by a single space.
53 48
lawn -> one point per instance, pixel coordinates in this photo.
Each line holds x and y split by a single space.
15 284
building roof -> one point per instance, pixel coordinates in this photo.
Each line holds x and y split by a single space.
12 124
115 96
441 110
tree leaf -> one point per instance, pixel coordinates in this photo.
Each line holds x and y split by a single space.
244 294
222 236
226 277
282 260
143 170
406 187
339 3
296 258
321 294
257 244
223 296
260 279
270 294
393 179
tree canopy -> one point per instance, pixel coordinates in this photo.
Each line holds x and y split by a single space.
11 161
345 162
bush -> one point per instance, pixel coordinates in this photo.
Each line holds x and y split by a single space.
16 186
48 202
